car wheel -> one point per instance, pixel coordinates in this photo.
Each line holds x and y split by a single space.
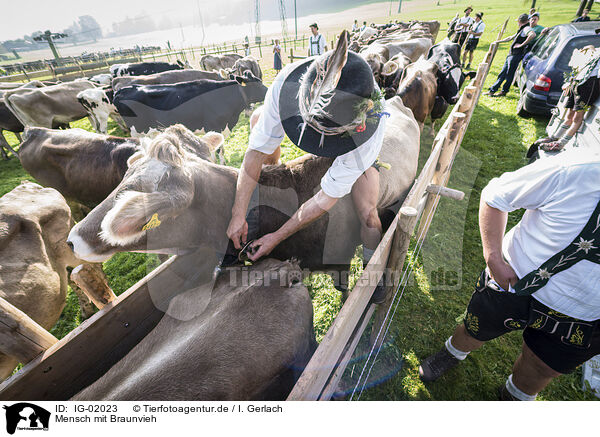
521 112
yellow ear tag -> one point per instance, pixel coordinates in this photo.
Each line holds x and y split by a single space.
153 223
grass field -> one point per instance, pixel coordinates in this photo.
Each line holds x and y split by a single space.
450 261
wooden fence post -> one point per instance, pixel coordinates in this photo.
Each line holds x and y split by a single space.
20 336
92 280
260 49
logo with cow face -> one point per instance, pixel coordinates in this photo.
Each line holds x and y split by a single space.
26 417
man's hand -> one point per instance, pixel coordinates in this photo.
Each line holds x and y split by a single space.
502 272
238 231
263 246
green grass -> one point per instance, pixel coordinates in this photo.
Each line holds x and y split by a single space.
495 142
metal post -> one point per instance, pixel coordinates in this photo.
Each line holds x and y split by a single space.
295 20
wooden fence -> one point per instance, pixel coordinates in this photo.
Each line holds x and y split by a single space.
321 377
57 369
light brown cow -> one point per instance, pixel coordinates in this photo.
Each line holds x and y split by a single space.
52 106
166 77
34 224
192 200
413 48
224 340
218 62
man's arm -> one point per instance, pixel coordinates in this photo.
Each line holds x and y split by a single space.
310 211
507 39
492 224
247 180
530 36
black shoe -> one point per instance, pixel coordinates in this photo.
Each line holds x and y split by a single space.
468 67
436 365
380 292
504 394
490 93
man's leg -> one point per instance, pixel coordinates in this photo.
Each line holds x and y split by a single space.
501 76
510 74
530 375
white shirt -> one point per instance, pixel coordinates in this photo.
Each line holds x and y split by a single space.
268 134
477 28
560 194
463 20
316 44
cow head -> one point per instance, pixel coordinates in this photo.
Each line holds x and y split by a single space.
148 211
252 87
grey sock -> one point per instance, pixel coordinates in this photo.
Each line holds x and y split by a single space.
565 139
562 129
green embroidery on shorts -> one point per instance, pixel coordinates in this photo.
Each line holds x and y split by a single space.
577 337
472 323
538 323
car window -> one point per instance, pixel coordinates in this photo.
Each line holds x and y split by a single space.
576 43
544 45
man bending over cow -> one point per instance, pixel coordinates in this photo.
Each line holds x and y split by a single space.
328 106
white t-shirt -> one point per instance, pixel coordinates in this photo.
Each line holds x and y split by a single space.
463 20
477 28
316 44
268 134
560 194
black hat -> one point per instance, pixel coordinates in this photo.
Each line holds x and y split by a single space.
479 14
467 8
328 104
314 25
535 14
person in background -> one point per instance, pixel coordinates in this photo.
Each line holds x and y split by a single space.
534 20
582 91
584 17
475 33
364 26
540 277
520 40
532 11
316 42
462 26
277 64
355 26
246 49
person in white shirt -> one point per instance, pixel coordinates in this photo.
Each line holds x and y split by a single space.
474 33
542 276
462 26
355 26
337 114
316 42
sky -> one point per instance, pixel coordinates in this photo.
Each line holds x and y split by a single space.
26 16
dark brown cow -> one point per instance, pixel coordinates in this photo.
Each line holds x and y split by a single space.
221 341
418 89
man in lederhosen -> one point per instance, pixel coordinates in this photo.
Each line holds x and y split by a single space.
316 42
520 40
325 105
462 26
475 33
543 276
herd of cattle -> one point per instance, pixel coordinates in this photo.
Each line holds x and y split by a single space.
171 179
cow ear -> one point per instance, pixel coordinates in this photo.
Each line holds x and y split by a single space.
134 157
213 139
135 213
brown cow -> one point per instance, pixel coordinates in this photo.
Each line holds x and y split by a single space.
418 89
34 224
86 167
248 63
223 340
166 77
413 48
